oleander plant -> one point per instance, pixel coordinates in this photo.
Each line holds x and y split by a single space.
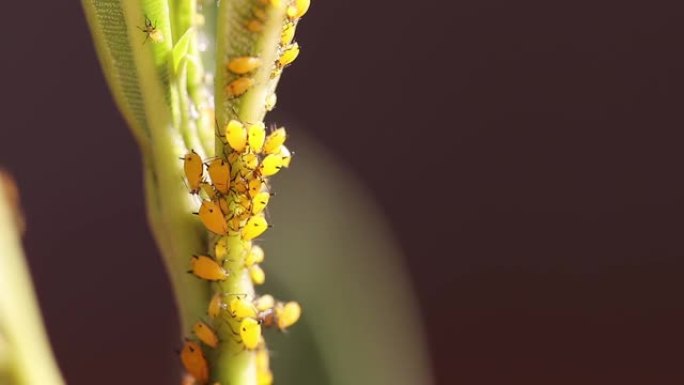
194 81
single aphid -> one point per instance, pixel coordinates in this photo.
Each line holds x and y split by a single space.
219 172
257 274
287 34
239 308
221 248
215 305
298 9
256 134
205 334
194 171
243 64
264 377
289 314
207 268
259 13
194 362
250 333
274 140
288 55
286 155
262 358
254 227
211 216
151 32
249 163
264 302
270 102
239 86
234 223
276 72
280 316
224 205
208 190
271 164
241 185
236 135
255 185
255 255
255 26
259 202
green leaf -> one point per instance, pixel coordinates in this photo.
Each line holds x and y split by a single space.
180 49
334 254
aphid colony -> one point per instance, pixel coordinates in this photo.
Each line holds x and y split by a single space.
234 192
243 67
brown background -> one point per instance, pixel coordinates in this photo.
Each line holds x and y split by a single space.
528 154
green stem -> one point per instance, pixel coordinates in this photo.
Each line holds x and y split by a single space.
235 366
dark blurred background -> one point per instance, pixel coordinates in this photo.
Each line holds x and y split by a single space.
526 153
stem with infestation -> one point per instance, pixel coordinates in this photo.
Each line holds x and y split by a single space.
161 76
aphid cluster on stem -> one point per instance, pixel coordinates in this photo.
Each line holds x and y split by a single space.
233 191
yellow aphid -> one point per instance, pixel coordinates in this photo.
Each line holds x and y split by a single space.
208 190
255 255
194 362
236 135
243 64
255 226
223 204
259 13
234 223
259 202
239 86
207 268
275 3
264 377
206 334
264 302
289 55
241 186
192 166
249 163
215 305
211 216
287 34
255 186
262 359
271 100
250 332
221 249
152 32
277 71
298 9
271 164
233 158
239 308
255 26
257 274
244 202
274 140
219 172
286 156
256 135
289 315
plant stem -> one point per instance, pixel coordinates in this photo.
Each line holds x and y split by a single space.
23 336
